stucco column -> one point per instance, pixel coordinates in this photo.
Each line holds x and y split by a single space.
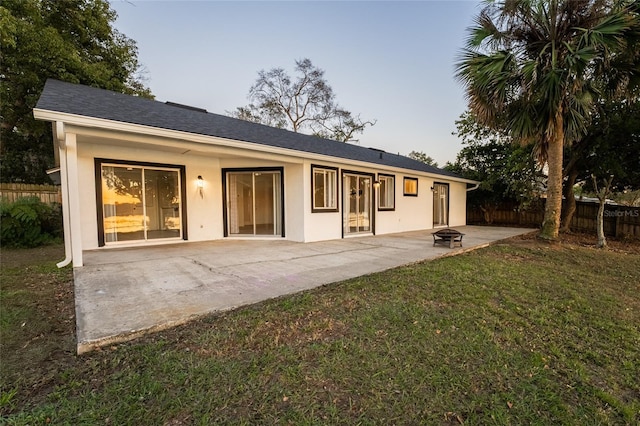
71 151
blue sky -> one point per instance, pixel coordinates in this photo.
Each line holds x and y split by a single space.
392 61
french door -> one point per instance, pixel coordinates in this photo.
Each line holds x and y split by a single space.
140 203
357 204
254 203
440 204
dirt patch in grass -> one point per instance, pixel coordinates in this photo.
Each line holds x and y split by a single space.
15 258
578 239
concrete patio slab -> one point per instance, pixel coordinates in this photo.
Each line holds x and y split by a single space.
122 293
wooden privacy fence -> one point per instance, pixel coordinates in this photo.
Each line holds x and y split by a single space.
49 194
619 221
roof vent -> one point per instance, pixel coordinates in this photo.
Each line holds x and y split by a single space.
174 104
378 150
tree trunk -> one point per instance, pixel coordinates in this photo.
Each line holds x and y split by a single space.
553 206
602 194
487 211
570 201
602 240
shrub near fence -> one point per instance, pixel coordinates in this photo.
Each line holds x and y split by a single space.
28 222
48 194
619 221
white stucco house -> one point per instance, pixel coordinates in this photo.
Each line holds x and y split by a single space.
136 171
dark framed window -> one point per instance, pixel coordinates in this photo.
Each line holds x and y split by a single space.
410 186
139 201
324 189
387 192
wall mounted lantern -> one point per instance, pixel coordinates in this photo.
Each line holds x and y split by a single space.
200 185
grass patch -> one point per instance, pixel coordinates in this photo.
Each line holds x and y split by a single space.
517 333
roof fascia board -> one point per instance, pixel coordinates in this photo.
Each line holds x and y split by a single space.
183 138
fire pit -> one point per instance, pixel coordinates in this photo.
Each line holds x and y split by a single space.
447 236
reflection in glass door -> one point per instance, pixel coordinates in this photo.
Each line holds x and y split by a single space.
140 203
357 204
254 203
440 204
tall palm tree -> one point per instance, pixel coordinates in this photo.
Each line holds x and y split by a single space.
538 67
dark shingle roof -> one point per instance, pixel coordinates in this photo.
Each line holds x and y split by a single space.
88 101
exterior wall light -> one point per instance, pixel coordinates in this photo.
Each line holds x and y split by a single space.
200 185
376 184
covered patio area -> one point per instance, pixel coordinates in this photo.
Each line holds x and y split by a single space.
123 293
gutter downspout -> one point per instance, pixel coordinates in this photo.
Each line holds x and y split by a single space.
64 181
473 188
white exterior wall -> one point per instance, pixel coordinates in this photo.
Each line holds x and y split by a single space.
293 191
457 204
411 213
294 200
323 225
416 213
205 213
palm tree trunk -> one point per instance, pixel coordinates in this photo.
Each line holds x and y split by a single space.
553 206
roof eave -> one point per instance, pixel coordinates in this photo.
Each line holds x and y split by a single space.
94 122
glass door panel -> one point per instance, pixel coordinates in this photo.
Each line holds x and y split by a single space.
364 206
264 204
357 204
122 203
140 203
440 205
240 203
162 204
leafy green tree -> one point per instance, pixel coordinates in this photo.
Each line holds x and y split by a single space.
507 172
538 67
304 104
424 158
628 197
70 40
610 147
611 156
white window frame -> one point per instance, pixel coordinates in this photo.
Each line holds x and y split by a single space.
330 182
387 192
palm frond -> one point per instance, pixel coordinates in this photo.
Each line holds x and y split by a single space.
545 57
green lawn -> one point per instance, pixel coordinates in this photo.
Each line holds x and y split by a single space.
517 333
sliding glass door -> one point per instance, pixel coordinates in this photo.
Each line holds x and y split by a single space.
357 204
140 203
254 203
